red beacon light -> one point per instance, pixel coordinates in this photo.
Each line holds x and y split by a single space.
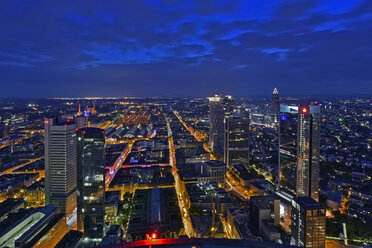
151 236
304 110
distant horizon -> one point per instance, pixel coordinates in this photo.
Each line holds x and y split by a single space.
169 97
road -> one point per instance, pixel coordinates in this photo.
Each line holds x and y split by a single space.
178 184
113 169
10 170
196 136
13 142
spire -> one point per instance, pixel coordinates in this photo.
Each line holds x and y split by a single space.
275 92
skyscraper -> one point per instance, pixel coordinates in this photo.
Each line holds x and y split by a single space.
299 150
216 120
308 223
81 121
275 106
4 128
228 106
60 166
236 150
91 183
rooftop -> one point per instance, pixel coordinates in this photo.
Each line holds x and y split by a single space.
308 202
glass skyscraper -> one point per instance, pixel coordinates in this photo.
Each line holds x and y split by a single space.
228 106
308 223
299 150
91 183
236 150
216 120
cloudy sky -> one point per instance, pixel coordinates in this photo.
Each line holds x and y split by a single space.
185 48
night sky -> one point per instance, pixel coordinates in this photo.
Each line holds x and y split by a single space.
185 48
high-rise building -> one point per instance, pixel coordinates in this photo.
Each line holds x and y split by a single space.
236 149
308 223
228 106
60 166
299 150
4 129
91 182
275 106
216 120
81 121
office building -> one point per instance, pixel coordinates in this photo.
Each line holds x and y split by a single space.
81 121
91 183
236 148
60 166
299 150
4 129
265 217
43 227
216 120
275 106
228 106
155 211
308 223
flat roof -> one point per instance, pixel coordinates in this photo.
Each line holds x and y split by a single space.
307 202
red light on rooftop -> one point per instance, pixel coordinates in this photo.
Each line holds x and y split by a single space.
304 110
153 235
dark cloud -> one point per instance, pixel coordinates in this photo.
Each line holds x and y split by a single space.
170 47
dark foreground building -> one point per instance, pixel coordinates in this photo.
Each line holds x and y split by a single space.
154 211
198 243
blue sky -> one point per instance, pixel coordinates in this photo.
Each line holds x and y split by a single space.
185 48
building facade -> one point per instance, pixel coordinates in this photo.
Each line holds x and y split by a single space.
236 148
299 138
308 223
60 166
275 106
216 120
91 182
228 106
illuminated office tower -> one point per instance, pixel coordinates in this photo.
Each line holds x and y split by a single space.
275 106
299 150
228 106
216 120
236 149
91 183
60 166
308 223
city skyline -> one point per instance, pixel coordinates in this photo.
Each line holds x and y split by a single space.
184 48
186 123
